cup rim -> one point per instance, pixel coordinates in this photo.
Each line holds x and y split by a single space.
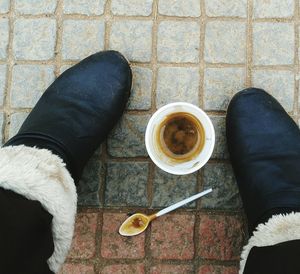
150 127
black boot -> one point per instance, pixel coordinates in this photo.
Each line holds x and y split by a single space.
72 118
264 147
76 113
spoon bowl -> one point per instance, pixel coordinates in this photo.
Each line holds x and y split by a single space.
135 224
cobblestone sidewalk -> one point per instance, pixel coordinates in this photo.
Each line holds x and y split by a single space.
198 51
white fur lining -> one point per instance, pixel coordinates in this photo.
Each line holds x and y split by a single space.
40 175
279 228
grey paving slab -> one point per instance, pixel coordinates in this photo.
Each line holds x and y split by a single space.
220 84
132 7
35 6
64 68
16 120
88 7
34 39
216 8
1 127
4 32
177 84
4 6
183 8
278 83
273 8
273 43
220 149
169 189
127 139
225 42
225 194
28 84
89 38
126 184
88 186
3 73
140 97
178 42
133 38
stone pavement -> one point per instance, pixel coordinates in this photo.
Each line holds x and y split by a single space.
198 51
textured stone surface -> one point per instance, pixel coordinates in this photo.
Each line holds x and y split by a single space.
173 237
131 7
268 49
220 84
220 149
234 8
205 69
221 237
123 269
133 38
126 184
89 184
3 72
225 193
16 120
170 268
114 245
273 8
140 97
89 38
88 7
35 6
177 84
83 244
169 189
4 6
127 139
178 42
185 8
221 44
4 38
34 39
64 68
280 84
215 269
28 84
1 127
75 268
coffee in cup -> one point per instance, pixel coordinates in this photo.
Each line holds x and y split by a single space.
180 138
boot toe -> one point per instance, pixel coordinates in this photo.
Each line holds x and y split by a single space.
256 122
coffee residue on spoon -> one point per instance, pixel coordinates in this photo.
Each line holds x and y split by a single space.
137 222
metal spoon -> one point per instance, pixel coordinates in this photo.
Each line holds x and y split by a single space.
138 222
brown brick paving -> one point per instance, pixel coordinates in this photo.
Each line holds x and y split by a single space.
75 268
174 269
83 245
123 269
188 241
172 237
212 269
220 237
116 246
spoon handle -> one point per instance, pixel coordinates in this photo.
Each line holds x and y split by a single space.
183 202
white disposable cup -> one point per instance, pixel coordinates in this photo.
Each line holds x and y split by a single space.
164 162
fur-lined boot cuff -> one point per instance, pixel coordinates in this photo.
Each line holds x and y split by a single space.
38 174
278 229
